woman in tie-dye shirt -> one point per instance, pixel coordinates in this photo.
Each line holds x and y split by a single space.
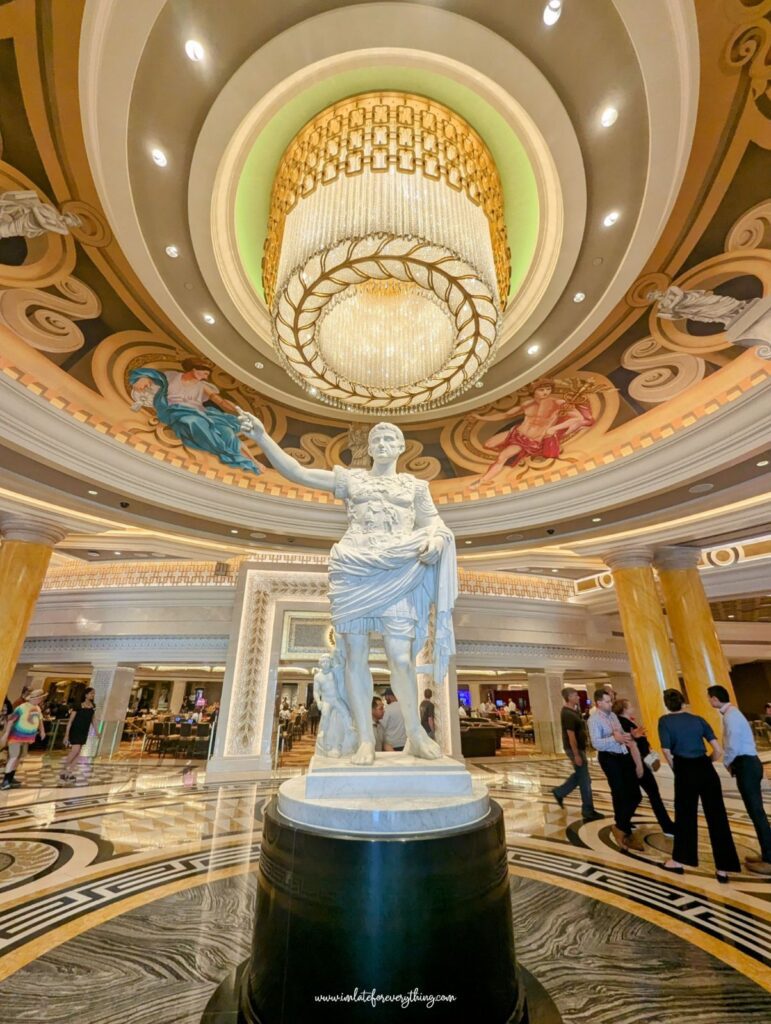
23 725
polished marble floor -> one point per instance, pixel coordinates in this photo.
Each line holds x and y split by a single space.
127 897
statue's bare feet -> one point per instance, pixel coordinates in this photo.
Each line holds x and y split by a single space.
365 754
420 744
333 752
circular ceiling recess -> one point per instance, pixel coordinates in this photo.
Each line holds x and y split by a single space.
384 197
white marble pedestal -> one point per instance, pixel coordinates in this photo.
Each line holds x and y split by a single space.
399 794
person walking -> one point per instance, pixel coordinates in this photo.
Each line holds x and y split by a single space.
24 723
574 745
740 756
77 731
682 737
623 709
621 762
394 729
314 714
428 714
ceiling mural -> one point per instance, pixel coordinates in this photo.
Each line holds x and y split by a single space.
692 334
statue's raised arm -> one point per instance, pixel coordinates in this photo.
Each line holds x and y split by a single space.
320 479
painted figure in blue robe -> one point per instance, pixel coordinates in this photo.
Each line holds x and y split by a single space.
188 403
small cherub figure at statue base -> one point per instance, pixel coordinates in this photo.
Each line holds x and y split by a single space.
337 736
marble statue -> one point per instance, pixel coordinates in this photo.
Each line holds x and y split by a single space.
23 213
395 563
697 304
337 736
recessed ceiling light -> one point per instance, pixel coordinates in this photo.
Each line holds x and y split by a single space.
467 542
610 219
257 535
555 570
579 297
313 391
234 531
172 251
551 12
608 117
479 384
533 349
259 366
762 463
93 492
159 157
731 616
117 552
92 554
194 50
597 519
208 318
514 536
701 488
597 261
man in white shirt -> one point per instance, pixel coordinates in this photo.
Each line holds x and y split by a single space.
620 761
740 756
462 711
394 729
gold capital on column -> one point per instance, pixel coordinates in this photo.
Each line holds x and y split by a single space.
25 552
701 657
645 633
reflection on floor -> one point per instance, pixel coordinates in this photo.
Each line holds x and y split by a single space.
128 899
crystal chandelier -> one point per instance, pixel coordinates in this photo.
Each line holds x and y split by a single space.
386 263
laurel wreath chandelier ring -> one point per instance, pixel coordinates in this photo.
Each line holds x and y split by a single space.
300 308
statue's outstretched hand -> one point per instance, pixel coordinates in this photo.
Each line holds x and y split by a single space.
431 550
249 424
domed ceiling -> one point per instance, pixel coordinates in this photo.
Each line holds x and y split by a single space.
556 276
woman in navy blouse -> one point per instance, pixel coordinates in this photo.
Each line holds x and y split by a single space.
682 737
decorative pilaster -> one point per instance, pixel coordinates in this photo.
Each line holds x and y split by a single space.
645 633
24 556
702 661
113 684
544 690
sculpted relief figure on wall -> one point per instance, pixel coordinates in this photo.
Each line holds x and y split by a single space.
393 573
24 214
697 304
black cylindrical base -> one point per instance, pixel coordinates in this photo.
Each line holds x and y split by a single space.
344 921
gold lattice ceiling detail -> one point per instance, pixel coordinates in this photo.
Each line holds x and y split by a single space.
382 131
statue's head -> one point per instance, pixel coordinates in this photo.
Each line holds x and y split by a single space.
325 662
385 442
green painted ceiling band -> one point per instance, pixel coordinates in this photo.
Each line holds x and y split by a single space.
520 190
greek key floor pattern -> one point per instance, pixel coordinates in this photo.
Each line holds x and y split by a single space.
129 898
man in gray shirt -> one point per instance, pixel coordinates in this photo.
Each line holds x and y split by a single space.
394 729
740 756
620 760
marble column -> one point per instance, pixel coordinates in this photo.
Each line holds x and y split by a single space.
25 552
645 634
113 684
178 690
546 702
702 660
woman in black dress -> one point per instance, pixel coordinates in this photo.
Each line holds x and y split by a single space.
76 734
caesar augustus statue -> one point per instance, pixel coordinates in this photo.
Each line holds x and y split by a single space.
395 562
